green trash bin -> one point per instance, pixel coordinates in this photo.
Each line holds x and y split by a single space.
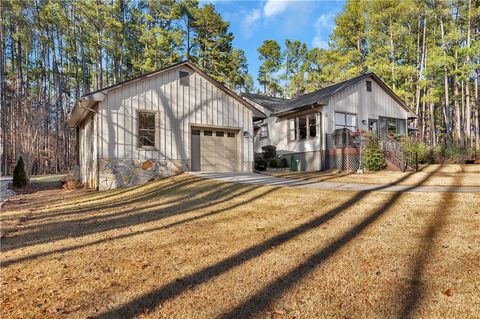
293 164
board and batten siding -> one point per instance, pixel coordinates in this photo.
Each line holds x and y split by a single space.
177 108
366 105
88 151
354 99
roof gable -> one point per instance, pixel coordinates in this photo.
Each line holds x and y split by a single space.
84 105
321 97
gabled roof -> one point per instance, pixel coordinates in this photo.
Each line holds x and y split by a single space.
85 103
320 97
269 102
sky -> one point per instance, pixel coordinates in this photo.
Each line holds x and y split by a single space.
252 22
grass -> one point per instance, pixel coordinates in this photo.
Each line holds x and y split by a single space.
185 247
445 175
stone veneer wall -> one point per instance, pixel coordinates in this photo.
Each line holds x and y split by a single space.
114 173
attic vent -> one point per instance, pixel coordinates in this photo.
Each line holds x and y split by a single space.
184 78
369 86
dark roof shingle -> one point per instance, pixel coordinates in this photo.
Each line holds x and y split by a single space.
320 96
271 103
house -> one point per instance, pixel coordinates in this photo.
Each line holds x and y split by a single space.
159 124
307 129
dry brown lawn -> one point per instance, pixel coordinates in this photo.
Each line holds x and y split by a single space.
185 247
444 175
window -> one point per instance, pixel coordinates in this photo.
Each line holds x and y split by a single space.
292 129
207 133
263 131
230 134
391 125
401 127
346 120
302 127
219 133
312 123
369 86
184 78
195 132
146 129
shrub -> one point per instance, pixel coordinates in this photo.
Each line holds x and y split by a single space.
269 152
283 162
273 163
259 163
449 153
19 176
424 152
476 154
373 157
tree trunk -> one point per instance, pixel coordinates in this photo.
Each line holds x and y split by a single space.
458 114
432 124
446 105
3 100
468 111
477 110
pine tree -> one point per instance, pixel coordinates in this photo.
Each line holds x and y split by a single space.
271 57
19 176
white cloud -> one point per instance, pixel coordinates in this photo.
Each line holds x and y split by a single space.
325 20
249 22
323 27
274 7
252 16
319 43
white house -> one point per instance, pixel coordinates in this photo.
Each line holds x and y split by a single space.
166 122
302 128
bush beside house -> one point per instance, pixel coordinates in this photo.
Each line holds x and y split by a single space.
373 157
268 159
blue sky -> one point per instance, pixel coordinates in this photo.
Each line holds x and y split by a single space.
252 22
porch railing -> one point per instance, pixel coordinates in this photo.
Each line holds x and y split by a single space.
396 154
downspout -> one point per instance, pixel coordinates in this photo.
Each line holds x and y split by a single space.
96 149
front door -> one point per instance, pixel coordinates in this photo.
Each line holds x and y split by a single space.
373 125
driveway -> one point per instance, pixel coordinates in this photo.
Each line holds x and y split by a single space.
4 191
259 179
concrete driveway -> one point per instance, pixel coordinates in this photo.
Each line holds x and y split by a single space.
259 179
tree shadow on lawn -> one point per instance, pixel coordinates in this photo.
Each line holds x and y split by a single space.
209 195
271 291
243 191
131 198
437 223
318 176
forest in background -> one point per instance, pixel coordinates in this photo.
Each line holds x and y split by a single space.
54 51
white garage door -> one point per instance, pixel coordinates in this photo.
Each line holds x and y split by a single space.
214 150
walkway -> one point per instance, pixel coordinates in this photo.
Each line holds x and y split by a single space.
259 179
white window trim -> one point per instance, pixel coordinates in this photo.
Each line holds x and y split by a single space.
263 133
296 128
157 131
345 114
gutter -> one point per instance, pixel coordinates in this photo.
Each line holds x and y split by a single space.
298 109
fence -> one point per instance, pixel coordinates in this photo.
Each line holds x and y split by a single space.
346 158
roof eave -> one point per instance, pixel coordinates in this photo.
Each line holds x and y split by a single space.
81 110
300 108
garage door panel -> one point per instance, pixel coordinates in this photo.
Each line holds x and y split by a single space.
217 152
